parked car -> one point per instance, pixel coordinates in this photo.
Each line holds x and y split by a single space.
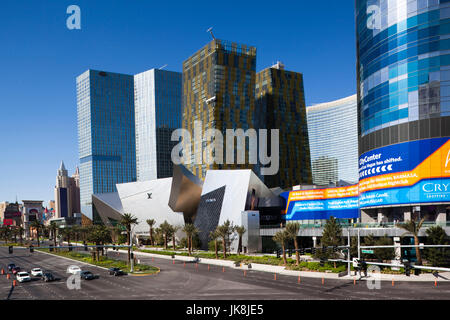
48 277
116 272
87 275
73 269
36 272
11 266
15 270
23 276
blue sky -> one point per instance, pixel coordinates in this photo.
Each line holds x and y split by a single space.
40 58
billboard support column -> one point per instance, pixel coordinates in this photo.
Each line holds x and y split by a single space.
407 215
441 214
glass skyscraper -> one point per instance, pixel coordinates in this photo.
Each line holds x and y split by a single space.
218 90
403 73
333 141
158 113
280 104
106 133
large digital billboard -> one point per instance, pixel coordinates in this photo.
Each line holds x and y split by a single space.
320 204
406 173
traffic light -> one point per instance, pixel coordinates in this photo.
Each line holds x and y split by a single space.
85 247
407 265
290 253
322 262
70 247
417 272
313 250
50 248
278 254
31 249
10 249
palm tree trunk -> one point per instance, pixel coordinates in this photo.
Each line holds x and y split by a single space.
54 238
173 242
297 254
37 233
215 248
165 241
284 254
189 245
224 248
418 255
240 244
129 241
151 236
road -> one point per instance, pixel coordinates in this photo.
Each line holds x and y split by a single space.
195 282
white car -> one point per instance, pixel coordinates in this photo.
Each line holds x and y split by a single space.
23 276
73 269
37 272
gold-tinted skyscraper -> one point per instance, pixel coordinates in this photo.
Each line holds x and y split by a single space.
218 90
280 102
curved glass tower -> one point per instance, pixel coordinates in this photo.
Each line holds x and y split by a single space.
403 74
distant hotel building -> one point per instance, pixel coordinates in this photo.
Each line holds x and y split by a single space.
333 141
218 90
106 133
157 113
280 104
67 193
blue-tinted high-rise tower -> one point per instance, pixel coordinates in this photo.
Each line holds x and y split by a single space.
106 133
158 113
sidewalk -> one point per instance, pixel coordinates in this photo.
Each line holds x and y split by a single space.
443 277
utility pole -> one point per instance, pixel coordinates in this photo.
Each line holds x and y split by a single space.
359 254
348 252
132 255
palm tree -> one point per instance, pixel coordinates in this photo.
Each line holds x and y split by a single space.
100 235
282 237
151 223
190 231
166 229
53 228
240 231
20 231
173 231
412 227
127 221
213 235
38 227
292 229
224 231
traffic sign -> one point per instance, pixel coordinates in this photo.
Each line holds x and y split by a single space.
367 251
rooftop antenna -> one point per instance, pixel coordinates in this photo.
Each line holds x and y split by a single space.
210 31
162 67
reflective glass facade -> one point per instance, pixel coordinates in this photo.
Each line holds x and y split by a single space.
333 141
106 133
403 70
158 113
280 104
218 90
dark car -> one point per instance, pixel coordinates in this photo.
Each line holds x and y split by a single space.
11 266
116 272
48 277
87 275
15 270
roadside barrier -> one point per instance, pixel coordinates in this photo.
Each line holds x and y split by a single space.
323 280
275 276
392 281
3 271
299 280
435 282
14 283
8 276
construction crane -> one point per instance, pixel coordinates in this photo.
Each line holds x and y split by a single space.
210 31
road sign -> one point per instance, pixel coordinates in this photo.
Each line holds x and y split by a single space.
367 251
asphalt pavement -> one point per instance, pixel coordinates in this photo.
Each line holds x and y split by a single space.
191 281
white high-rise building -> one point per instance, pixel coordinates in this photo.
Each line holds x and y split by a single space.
333 141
